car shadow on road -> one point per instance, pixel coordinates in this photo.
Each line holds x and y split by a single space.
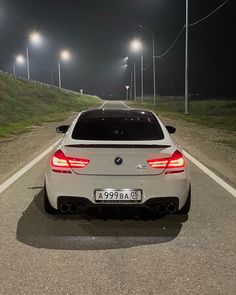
93 232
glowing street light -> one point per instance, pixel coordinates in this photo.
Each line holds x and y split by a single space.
34 38
137 46
64 55
127 87
20 59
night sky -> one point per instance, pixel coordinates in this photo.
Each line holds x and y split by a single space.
98 33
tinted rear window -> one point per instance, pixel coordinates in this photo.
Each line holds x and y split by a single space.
124 128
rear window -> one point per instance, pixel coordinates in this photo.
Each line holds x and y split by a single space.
130 128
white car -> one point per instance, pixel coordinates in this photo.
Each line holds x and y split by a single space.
117 158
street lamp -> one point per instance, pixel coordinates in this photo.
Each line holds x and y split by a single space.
34 38
64 56
18 60
131 85
153 61
186 60
136 46
127 91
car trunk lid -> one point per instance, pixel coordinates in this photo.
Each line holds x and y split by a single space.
118 159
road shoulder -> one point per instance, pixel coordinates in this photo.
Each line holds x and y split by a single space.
207 145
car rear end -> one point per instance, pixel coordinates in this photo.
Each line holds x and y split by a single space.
117 158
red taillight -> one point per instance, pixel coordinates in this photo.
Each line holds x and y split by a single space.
59 160
175 161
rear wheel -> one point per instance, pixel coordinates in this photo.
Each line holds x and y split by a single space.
187 205
47 206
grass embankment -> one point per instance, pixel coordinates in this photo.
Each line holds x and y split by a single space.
220 113
212 113
24 104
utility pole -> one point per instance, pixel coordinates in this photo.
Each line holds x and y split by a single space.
131 85
154 68
27 61
142 78
59 74
153 61
135 87
186 60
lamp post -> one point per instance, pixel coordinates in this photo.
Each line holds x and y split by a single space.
136 46
142 78
64 56
131 85
127 91
186 60
34 38
135 84
153 61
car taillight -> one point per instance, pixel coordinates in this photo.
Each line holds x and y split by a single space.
59 160
175 161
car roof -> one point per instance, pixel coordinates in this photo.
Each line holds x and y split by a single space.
113 113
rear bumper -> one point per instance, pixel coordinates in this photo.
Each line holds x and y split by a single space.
77 204
173 187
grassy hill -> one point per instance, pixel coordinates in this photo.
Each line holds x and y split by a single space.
217 113
24 103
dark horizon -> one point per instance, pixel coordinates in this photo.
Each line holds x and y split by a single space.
98 35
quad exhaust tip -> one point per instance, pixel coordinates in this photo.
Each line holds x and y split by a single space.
166 208
162 208
69 208
171 208
74 208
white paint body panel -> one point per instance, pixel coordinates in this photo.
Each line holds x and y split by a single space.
102 173
83 185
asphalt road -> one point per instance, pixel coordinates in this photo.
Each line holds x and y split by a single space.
42 254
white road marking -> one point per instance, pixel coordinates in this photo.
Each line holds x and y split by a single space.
212 175
102 105
125 105
26 168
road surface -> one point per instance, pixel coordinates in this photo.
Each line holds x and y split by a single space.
42 254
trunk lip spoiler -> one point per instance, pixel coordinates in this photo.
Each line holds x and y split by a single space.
118 145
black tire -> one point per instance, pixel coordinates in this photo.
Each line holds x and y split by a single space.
187 205
47 206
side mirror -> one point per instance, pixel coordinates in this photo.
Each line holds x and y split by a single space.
62 128
171 129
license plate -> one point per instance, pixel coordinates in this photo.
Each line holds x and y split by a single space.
118 196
